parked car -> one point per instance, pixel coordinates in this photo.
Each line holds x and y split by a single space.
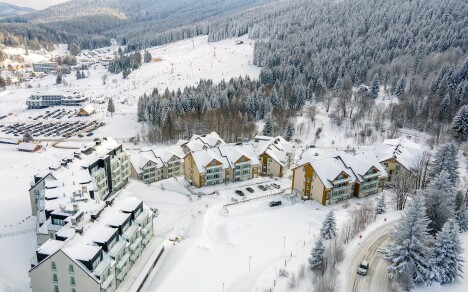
250 189
276 186
363 268
240 193
311 146
90 134
275 203
262 187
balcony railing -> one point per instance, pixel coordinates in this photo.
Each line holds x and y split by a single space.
337 189
130 232
123 262
339 181
370 175
108 284
134 246
115 250
366 190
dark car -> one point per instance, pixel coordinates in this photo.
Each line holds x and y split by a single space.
262 187
240 193
275 203
276 186
250 189
90 134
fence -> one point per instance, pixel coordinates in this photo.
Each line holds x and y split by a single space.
150 270
13 233
257 198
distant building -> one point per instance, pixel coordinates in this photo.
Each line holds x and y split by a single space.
45 67
29 147
43 100
86 111
199 142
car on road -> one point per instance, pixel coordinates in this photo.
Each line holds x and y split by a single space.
275 203
276 186
250 189
363 268
240 193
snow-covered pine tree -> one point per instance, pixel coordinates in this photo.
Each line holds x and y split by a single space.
328 229
111 106
446 159
462 210
440 201
380 207
400 87
374 87
316 256
446 257
460 124
408 251
268 127
289 131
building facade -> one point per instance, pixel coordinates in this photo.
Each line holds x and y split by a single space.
38 101
222 164
338 178
95 250
275 154
45 67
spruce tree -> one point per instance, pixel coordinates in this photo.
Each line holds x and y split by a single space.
380 207
2 82
316 256
446 159
408 251
268 127
446 257
58 80
289 131
460 124
374 87
111 106
328 229
440 201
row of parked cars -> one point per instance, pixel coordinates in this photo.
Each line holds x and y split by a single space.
262 187
65 130
55 114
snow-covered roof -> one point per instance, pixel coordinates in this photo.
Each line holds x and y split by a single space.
27 146
50 247
275 147
89 108
227 155
361 163
403 150
329 169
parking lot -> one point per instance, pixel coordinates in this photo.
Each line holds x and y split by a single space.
55 114
53 129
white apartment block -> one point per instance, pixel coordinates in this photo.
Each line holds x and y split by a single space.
95 248
91 175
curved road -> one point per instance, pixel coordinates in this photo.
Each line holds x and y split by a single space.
377 277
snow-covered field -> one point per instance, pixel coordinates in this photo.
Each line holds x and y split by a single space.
182 64
35 4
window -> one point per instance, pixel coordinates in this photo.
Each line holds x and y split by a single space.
56 289
71 270
73 290
53 266
72 281
54 278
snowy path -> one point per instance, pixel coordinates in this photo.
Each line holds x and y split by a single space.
377 278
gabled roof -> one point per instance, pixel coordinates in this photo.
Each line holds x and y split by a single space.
329 169
402 150
275 147
361 163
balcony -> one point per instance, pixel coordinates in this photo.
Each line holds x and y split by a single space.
123 272
370 189
122 263
142 217
134 246
145 231
371 175
109 283
337 189
54 228
146 240
130 232
102 266
117 248
339 181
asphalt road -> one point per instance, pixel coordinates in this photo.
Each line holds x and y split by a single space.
377 277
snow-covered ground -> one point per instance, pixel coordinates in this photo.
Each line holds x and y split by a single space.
181 64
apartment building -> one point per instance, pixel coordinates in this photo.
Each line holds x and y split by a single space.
96 247
156 164
275 154
398 156
337 178
93 174
222 164
45 67
43 100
